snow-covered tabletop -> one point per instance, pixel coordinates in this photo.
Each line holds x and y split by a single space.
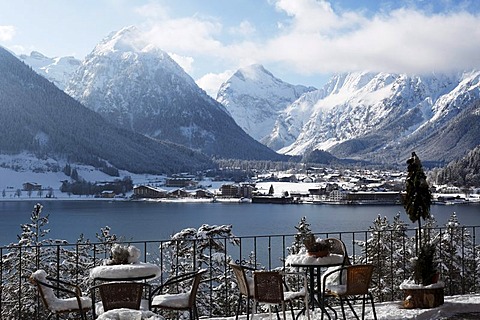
134 271
303 259
129 314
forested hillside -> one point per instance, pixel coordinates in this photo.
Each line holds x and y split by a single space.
462 172
39 118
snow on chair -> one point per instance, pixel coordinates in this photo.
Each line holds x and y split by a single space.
178 300
245 286
47 287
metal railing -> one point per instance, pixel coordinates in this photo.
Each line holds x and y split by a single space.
458 258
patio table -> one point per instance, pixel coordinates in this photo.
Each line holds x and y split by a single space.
313 267
126 272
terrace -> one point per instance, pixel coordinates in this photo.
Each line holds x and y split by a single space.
389 250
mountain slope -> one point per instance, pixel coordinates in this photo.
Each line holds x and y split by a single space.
377 116
254 98
139 87
40 118
58 70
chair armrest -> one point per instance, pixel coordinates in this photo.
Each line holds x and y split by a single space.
76 290
174 280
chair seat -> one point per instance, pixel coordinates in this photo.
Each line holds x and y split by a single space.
291 295
144 306
129 314
177 300
67 304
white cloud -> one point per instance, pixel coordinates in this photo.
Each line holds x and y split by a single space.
7 33
319 40
211 82
192 35
184 62
315 38
246 28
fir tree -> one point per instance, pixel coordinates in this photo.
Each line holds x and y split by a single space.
192 249
417 203
458 264
303 230
388 249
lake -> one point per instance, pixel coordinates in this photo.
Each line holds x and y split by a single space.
137 220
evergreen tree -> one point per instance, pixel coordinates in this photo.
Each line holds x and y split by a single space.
417 203
418 197
303 229
271 190
388 249
458 264
192 249
35 251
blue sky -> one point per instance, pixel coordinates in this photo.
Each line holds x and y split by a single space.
299 41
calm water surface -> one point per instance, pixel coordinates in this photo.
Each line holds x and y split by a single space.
157 221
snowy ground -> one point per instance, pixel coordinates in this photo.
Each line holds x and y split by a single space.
456 307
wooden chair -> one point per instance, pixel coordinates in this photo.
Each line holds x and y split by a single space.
270 288
47 287
245 286
161 298
357 286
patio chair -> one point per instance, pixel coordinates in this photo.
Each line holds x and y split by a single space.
356 287
245 286
117 295
48 287
337 246
161 298
271 289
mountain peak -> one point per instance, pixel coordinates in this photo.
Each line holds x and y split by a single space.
128 39
254 96
138 86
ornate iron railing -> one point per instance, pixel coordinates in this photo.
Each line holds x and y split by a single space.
459 264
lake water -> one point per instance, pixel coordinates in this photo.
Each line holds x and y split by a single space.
158 221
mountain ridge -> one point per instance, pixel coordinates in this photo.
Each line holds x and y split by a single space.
138 86
40 118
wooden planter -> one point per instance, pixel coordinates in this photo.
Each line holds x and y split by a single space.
423 298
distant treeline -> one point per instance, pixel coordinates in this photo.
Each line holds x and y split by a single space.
119 186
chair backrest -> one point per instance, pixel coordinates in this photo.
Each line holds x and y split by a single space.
242 281
337 246
195 284
268 286
359 277
116 295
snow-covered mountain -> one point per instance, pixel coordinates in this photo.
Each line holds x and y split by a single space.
40 119
138 86
377 116
58 70
254 98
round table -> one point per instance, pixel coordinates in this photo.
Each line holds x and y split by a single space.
126 272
